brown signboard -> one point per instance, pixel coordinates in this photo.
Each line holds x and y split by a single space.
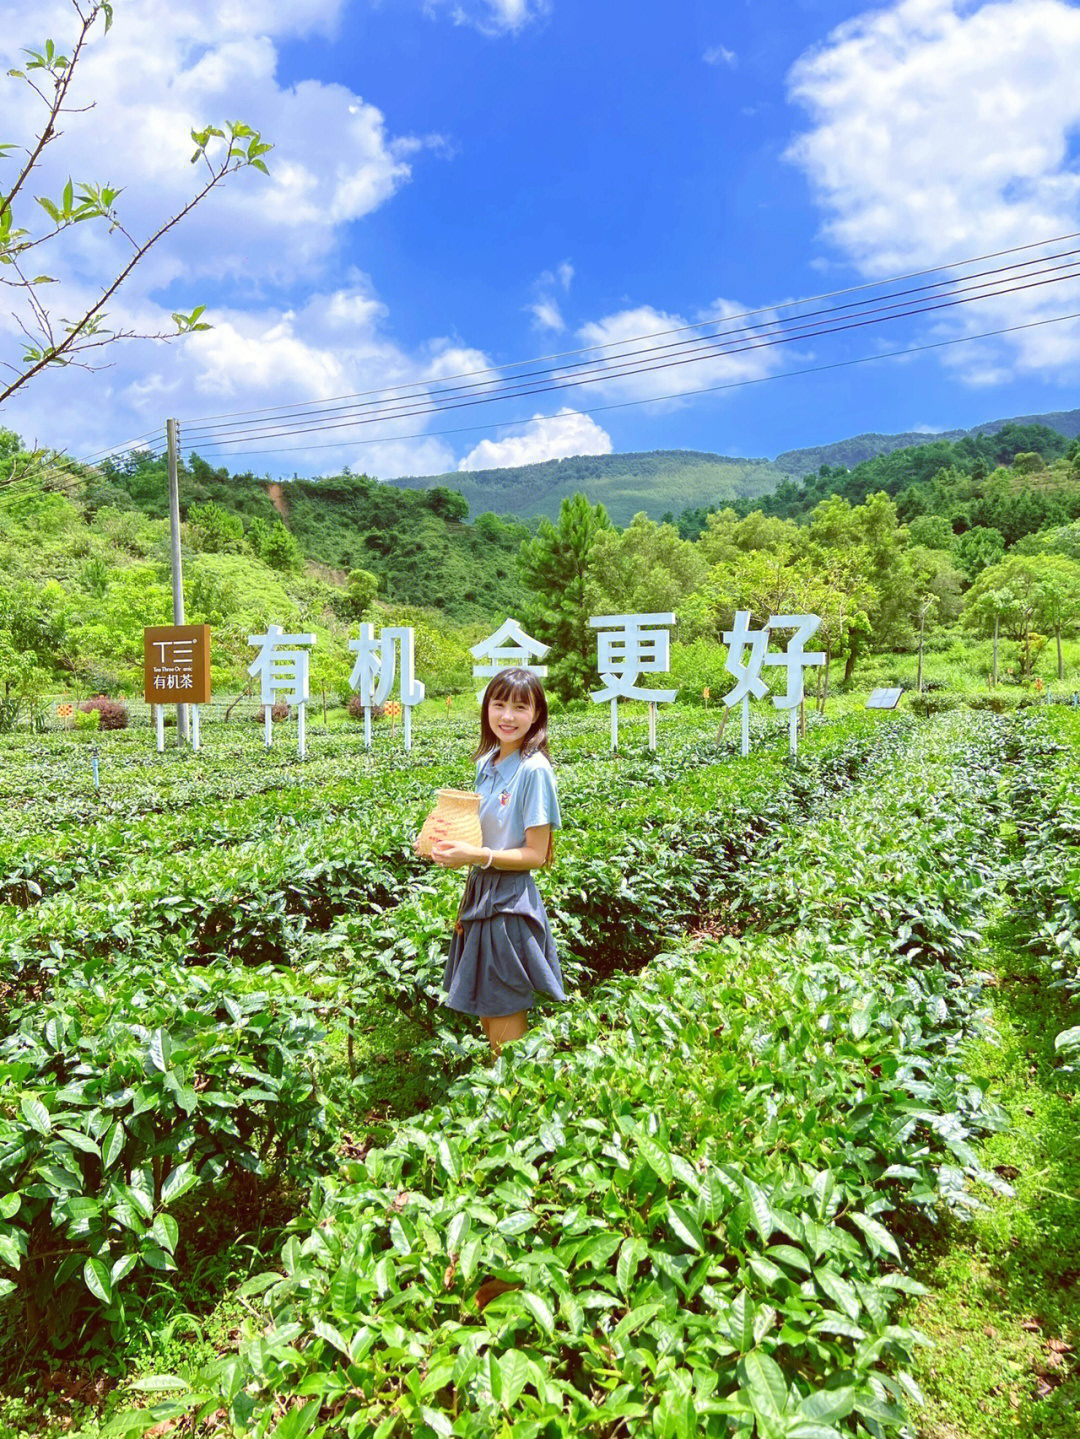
176 661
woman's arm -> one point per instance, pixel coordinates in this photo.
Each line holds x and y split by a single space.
533 855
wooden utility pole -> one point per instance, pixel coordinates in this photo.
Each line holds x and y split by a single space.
172 435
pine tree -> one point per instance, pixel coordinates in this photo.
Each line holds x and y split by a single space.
553 567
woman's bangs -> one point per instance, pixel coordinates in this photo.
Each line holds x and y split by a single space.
513 690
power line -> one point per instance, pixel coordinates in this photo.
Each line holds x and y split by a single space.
680 394
241 438
608 366
126 447
654 399
657 334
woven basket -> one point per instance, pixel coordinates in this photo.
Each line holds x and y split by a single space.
459 810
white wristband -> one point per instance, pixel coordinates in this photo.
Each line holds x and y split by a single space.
490 857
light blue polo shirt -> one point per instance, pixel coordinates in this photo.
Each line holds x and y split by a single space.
515 795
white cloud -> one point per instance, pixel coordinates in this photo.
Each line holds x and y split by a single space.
719 55
561 275
493 17
547 316
673 359
553 437
942 129
162 69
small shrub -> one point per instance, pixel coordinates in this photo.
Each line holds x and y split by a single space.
356 709
88 720
279 712
112 714
933 704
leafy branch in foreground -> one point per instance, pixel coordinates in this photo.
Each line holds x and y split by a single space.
49 339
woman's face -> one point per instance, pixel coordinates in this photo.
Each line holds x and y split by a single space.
510 718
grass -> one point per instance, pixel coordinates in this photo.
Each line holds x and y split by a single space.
1004 1311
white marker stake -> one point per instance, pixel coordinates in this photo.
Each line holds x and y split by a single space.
652 725
268 721
160 728
746 726
407 726
793 732
367 726
302 730
195 727
614 724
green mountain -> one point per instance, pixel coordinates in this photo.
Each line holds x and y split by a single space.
860 448
658 482
670 481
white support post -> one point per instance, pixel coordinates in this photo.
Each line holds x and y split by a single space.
652 724
301 720
745 726
614 725
268 725
195 727
407 726
793 732
160 715
367 726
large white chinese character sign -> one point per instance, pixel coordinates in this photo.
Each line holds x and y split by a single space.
747 672
627 647
373 673
176 670
283 675
739 639
508 647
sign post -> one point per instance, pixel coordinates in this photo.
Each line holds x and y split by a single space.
176 670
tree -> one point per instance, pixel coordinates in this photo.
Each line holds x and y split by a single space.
215 530
1006 596
360 595
554 567
1057 605
25 243
644 569
874 566
977 548
448 504
932 531
280 550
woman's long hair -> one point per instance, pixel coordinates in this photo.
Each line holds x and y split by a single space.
516 684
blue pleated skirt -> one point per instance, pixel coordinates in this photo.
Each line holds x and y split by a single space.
502 953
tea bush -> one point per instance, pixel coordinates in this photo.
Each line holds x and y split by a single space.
120 1095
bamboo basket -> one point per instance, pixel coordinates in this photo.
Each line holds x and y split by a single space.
459 810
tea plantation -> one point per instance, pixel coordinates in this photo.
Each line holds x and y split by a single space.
256 1181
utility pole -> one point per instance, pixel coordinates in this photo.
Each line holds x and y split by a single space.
172 435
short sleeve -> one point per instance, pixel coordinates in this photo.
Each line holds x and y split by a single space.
539 797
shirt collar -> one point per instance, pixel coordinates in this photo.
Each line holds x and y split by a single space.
503 768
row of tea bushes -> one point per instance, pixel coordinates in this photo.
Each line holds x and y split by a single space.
1047 873
135 1064
676 1208
46 782
254 902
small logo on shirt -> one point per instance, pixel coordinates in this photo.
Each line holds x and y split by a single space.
504 798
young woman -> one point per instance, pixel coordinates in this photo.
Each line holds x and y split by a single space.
502 952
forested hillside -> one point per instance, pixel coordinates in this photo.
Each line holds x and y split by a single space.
965 541
655 482
667 482
860 448
416 545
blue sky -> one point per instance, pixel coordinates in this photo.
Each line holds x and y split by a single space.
457 185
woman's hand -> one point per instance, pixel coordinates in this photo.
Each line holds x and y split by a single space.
452 854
